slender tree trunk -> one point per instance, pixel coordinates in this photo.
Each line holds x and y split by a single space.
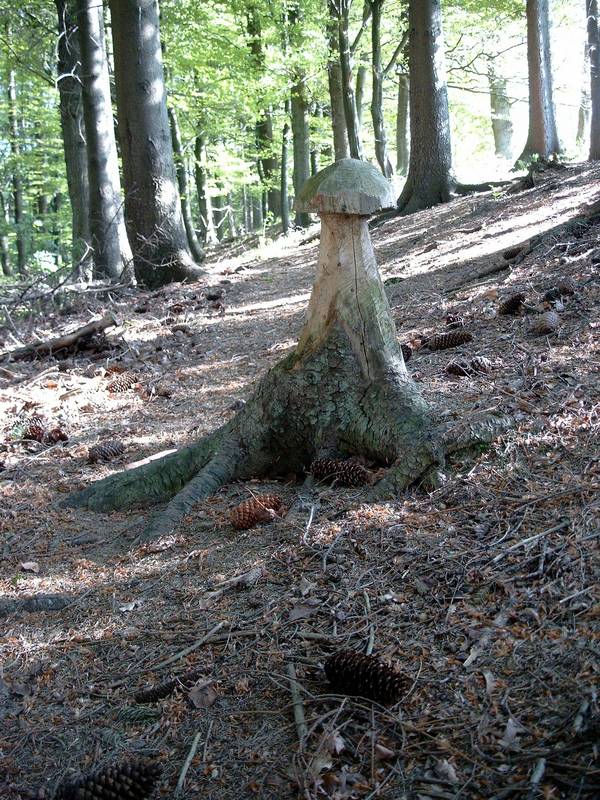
593 27
257 214
4 228
542 138
361 82
17 180
352 124
402 125
57 203
285 144
583 119
502 126
73 134
300 132
207 222
152 205
220 215
112 253
381 151
183 184
336 92
430 180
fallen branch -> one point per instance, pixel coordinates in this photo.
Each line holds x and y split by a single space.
299 719
61 342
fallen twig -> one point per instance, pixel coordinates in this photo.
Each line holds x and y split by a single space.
298 706
187 764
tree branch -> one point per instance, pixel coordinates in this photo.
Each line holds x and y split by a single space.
366 16
395 54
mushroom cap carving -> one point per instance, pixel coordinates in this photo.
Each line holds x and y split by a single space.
348 186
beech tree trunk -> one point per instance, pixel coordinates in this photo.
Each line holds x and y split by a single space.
73 134
111 250
17 180
381 151
183 184
336 92
583 118
361 82
502 127
593 28
285 146
542 138
4 228
430 179
402 125
152 205
350 112
301 142
207 222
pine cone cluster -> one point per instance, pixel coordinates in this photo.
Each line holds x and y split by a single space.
262 508
343 472
406 352
354 673
512 304
548 322
479 364
105 451
123 382
443 341
161 690
132 780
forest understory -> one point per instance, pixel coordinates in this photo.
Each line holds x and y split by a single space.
485 593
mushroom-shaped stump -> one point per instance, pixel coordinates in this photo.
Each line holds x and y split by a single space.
343 391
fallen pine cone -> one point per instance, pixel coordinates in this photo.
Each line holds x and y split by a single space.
548 322
464 368
161 690
106 451
360 675
263 508
443 341
55 435
512 304
34 428
123 383
344 472
131 780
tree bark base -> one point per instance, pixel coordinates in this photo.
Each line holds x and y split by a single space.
304 408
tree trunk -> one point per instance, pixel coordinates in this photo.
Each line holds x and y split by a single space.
542 137
257 214
336 92
350 113
17 180
4 228
183 184
361 82
583 119
402 125
381 151
502 126
57 202
301 141
207 222
285 145
344 391
220 215
430 180
593 28
73 134
152 205
112 253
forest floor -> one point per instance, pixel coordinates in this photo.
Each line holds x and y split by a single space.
484 593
